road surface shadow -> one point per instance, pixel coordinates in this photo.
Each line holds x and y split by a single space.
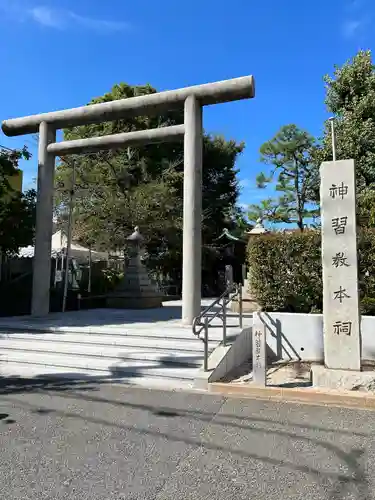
339 484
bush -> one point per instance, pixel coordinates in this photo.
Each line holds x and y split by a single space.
286 271
103 280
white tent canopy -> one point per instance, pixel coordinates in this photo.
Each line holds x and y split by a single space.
59 245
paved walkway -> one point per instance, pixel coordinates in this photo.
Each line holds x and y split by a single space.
115 443
103 319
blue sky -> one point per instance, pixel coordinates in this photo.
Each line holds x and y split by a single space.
61 53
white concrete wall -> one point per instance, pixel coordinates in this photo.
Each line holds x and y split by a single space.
300 336
237 354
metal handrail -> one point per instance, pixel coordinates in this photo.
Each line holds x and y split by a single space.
202 321
198 319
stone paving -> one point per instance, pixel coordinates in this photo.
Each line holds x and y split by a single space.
149 348
61 441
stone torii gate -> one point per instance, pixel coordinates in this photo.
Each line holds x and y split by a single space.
46 124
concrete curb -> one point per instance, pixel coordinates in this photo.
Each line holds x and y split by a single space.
224 359
313 396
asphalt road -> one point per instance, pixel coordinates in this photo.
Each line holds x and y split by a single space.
103 443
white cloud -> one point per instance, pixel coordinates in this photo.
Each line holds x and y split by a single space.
47 17
56 18
354 5
351 28
357 18
98 24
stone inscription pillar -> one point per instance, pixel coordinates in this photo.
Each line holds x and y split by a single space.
342 343
259 350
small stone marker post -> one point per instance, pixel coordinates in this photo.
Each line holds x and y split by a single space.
341 323
259 351
228 275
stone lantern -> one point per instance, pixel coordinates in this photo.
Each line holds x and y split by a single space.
135 242
257 229
136 290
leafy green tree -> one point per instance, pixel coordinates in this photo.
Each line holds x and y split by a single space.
17 210
350 98
9 159
290 153
17 221
116 190
237 222
267 210
366 208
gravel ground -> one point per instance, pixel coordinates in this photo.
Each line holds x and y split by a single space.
102 442
292 374
281 374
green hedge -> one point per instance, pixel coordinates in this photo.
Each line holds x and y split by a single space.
286 271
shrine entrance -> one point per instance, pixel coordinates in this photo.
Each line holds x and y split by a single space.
192 99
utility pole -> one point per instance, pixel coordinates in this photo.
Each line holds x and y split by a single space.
333 137
69 237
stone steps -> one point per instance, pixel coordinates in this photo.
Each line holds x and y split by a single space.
168 332
48 376
148 348
101 351
117 367
104 356
157 342
167 357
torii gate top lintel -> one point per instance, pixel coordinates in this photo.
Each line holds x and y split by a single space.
151 104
